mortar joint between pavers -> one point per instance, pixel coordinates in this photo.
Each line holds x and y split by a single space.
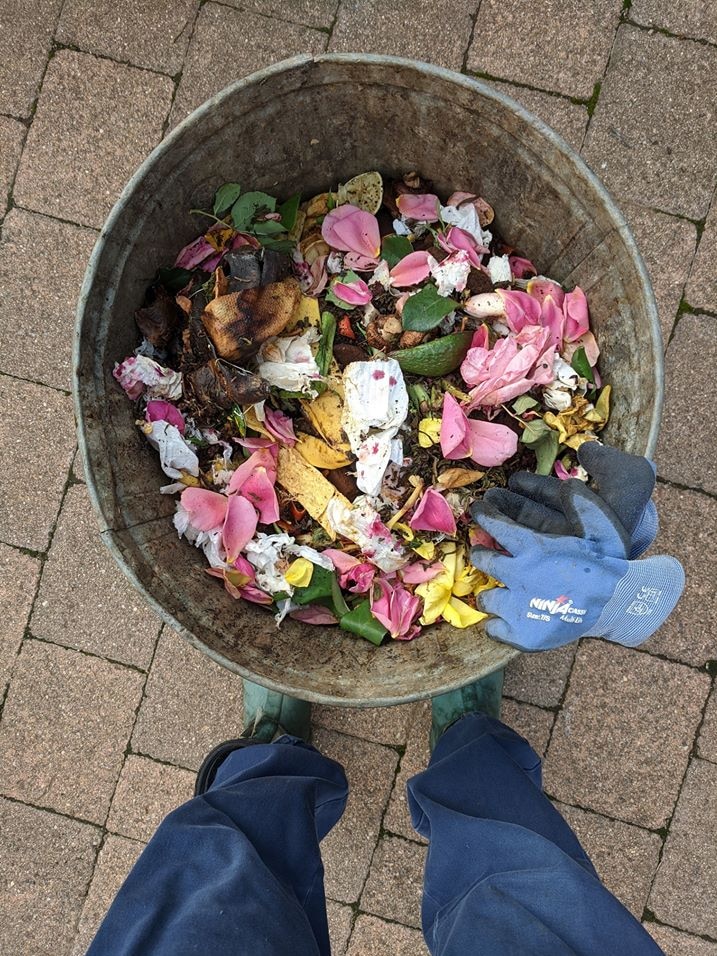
58 46
270 16
473 18
492 78
649 917
332 27
30 636
66 222
661 656
679 486
548 708
663 31
657 831
53 811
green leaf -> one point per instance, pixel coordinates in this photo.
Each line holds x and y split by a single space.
237 419
394 249
544 442
288 210
267 227
340 606
325 351
174 280
320 587
362 622
278 245
247 206
524 403
426 309
581 365
225 197
535 431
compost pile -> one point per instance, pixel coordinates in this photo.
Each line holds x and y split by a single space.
330 384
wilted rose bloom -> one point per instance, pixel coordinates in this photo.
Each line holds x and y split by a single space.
512 367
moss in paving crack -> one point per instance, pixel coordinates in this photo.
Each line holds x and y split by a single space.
592 102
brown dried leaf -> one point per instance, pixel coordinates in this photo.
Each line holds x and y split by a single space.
239 322
459 477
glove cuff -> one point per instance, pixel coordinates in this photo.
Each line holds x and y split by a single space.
642 601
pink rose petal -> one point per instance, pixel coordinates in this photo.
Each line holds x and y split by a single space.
314 614
541 288
280 426
458 240
239 526
353 293
412 269
161 411
396 608
521 268
206 509
351 229
433 514
421 207
575 310
419 572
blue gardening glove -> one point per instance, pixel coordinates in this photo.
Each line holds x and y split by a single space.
563 586
624 482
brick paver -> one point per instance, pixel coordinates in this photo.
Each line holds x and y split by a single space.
347 850
25 40
395 30
685 890
645 140
701 290
624 856
228 44
684 453
627 724
147 33
146 792
45 866
42 262
115 860
26 520
190 705
64 730
12 136
621 742
95 122
84 600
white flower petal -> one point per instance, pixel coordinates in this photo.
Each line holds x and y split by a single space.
499 269
175 455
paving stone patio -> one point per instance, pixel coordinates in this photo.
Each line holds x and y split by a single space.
105 715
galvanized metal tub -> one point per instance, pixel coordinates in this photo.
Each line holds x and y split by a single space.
303 125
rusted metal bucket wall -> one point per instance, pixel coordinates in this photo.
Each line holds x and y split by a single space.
303 126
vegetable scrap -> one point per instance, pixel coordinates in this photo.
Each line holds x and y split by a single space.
329 384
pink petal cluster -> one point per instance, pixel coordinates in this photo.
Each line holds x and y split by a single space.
255 479
251 498
433 513
487 443
565 314
396 608
313 614
512 367
412 269
352 230
239 581
458 240
521 268
355 292
421 207
160 411
354 575
280 426
200 252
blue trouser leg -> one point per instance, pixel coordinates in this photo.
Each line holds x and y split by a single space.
237 870
505 874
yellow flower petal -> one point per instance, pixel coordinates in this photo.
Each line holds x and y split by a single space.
429 432
460 614
404 530
426 550
299 573
435 594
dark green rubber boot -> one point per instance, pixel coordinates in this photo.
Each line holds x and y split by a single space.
483 696
269 714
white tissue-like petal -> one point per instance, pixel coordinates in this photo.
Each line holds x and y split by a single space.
499 269
557 397
361 523
400 227
466 217
264 552
175 455
287 362
451 274
375 407
565 373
